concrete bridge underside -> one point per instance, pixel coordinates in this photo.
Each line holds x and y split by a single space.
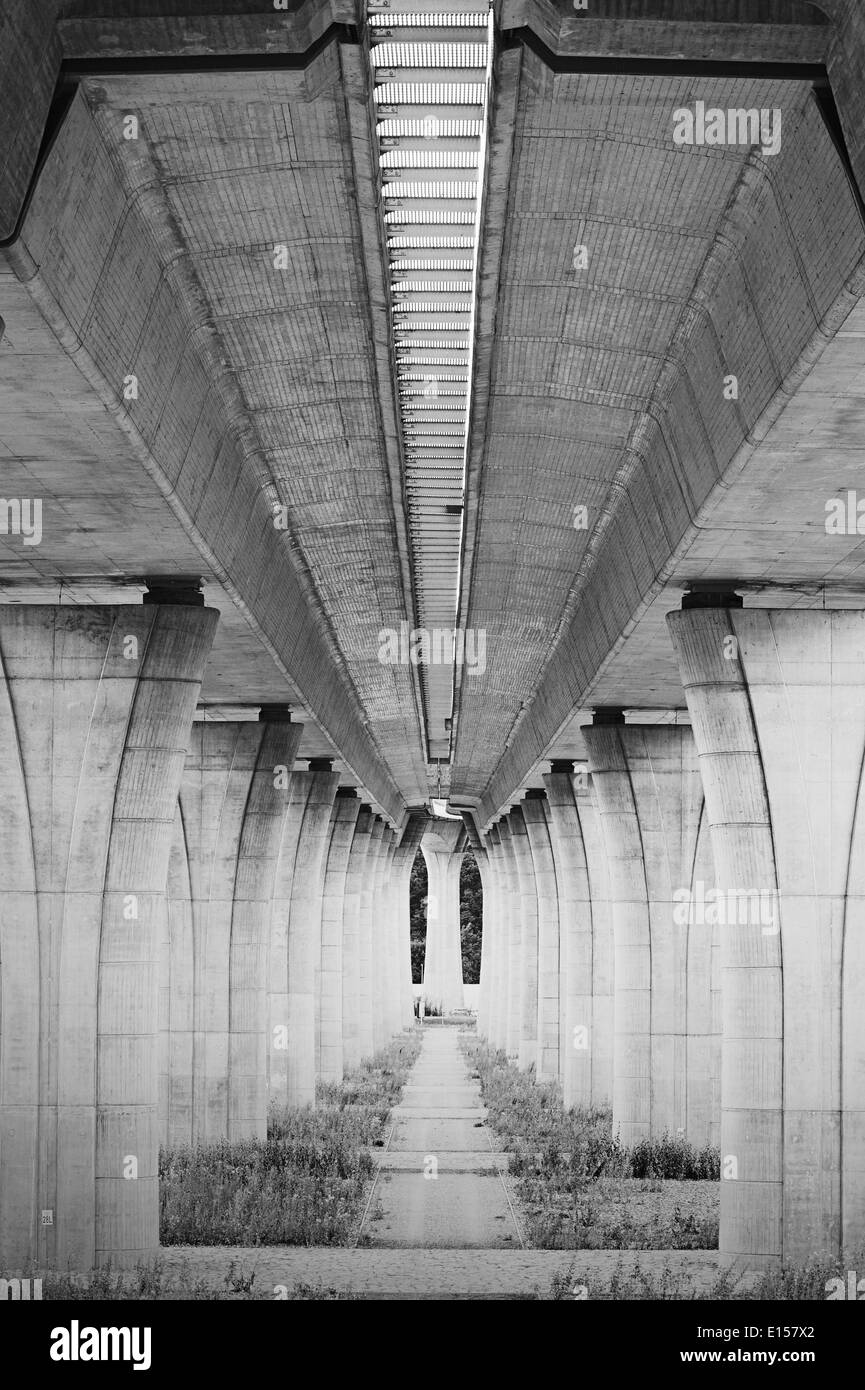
235 249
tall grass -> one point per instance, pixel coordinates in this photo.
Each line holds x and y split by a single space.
306 1184
578 1185
544 1137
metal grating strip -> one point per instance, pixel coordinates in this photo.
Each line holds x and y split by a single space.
426 66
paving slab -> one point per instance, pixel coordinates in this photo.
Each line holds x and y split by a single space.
419 1097
440 1136
454 1161
439 1112
456 1210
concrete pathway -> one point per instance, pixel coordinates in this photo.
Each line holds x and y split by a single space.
454 1235
441 1183
450 1236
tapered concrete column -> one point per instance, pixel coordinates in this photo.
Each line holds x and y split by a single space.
277 967
497 925
603 964
375 850
586 1038
346 809
392 960
230 818
549 964
528 957
304 930
296 935
490 941
403 861
777 701
442 848
382 957
513 992
650 796
96 705
477 849
354 879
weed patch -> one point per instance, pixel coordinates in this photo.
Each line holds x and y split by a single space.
306 1184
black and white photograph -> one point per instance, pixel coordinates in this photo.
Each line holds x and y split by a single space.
432 674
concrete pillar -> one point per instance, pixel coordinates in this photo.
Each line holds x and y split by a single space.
442 847
535 815
650 796
480 854
354 880
296 935
703 1012
230 817
403 861
382 960
577 1032
393 962
365 936
528 956
603 952
586 1035
277 966
96 705
488 944
304 930
346 809
513 993
497 924
777 701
